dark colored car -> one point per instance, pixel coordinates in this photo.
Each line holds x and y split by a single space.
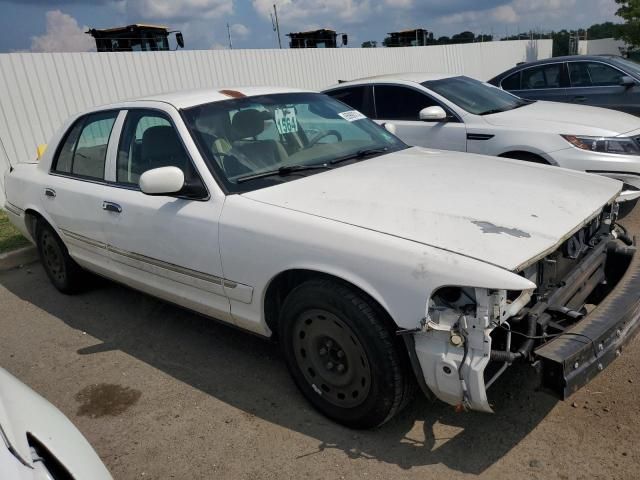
602 81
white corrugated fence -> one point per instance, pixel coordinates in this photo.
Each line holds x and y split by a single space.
38 91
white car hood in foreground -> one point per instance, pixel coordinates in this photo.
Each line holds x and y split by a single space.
566 118
500 211
23 411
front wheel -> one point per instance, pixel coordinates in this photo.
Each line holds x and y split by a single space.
65 274
342 354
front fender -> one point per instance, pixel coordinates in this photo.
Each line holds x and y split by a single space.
259 241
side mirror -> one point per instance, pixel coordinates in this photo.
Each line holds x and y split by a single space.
180 39
391 128
433 114
162 181
627 81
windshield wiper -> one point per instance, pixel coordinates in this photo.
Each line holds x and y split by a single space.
495 110
283 171
365 152
522 103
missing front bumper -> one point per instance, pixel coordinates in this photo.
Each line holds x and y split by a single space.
572 360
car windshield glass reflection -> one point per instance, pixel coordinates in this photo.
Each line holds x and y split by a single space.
475 97
254 142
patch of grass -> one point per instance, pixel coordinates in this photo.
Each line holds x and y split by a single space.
10 238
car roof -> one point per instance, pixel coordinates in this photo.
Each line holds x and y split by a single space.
416 77
191 98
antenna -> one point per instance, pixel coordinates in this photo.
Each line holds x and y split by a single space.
277 25
229 35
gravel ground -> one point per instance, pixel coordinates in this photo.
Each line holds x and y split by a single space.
163 393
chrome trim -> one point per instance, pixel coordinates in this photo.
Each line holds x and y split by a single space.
155 262
167 266
82 238
10 207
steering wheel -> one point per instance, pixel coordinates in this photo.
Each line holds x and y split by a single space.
320 135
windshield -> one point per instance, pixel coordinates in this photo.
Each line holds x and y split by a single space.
255 142
632 67
475 97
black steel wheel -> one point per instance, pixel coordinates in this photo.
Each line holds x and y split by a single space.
331 358
65 274
343 355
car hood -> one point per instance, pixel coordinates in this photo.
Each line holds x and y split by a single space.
23 411
566 118
504 212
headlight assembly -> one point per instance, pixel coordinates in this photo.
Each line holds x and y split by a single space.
619 145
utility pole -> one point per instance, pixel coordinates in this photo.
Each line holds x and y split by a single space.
277 25
229 35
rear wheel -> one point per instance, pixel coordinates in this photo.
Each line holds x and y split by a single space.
65 274
342 355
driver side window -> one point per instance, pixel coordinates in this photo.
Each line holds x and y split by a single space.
400 103
149 141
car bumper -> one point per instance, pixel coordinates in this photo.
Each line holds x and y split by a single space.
572 360
625 168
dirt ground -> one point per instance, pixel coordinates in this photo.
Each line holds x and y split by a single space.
163 393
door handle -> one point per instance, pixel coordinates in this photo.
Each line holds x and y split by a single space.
50 192
111 207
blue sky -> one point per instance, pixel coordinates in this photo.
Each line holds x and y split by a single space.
52 25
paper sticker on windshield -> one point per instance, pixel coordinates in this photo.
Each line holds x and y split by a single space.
286 120
352 115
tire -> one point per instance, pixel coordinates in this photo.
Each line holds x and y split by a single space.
343 356
65 274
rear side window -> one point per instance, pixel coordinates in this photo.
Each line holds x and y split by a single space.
360 98
84 150
400 103
512 82
545 76
593 74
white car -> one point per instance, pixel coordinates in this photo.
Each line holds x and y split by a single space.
37 442
454 112
374 264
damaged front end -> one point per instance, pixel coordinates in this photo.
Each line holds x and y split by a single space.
585 306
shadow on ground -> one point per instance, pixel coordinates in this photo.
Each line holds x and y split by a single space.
247 372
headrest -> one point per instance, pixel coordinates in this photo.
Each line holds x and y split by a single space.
247 123
213 122
161 141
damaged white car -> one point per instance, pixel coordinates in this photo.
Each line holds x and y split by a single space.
375 265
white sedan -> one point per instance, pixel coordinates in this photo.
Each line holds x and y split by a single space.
454 112
37 442
375 264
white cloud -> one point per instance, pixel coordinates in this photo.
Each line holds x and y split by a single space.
542 15
63 34
398 3
331 11
505 14
240 30
175 10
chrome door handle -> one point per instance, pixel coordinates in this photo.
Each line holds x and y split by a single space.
50 192
111 207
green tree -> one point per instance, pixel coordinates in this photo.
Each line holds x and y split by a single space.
629 31
463 37
370 44
603 30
